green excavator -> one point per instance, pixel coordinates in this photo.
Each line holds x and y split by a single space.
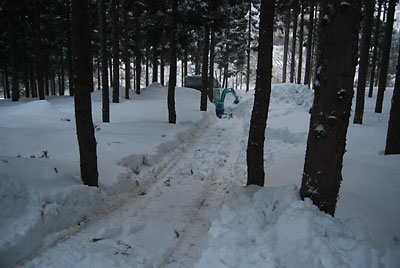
219 98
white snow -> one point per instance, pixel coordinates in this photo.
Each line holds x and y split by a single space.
173 195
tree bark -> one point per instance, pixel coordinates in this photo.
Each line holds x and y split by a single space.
211 74
69 50
375 52
83 105
385 56
259 115
301 35
162 60
138 54
307 75
364 57
38 54
104 70
294 40
115 36
330 112
249 50
393 136
204 71
126 51
7 94
155 63
286 46
172 72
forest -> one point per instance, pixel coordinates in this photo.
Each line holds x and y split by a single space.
339 50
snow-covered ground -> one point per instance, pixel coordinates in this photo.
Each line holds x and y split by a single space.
173 195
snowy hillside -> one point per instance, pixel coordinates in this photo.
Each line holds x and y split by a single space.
173 195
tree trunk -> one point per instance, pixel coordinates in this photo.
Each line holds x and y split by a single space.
385 56
301 35
138 54
46 74
7 94
38 54
69 50
307 75
26 80
83 105
249 50
259 115
364 57
15 63
104 70
294 40
317 49
126 51
204 71
53 84
62 74
375 52
286 46
155 63
172 72
115 44
393 136
330 113
211 75
162 60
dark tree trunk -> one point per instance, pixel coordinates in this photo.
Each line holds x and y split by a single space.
38 54
385 56
26 80
83 105
111 71
98 73
155 63
211 75
393 136
375 52
286 47
33 81
204 71
185 61
172 72
104 71
7 94
62 73
301 35
259 115
364 57
115 36
147 65
138 54
15 63
317 48
53 84
249 49
162 60
126 51
294 40
307 75
198 56
46 74
330 113
69 50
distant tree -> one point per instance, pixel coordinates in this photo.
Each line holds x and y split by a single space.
126 49
115 49
307 74
383 72
172 72
294 40
204 72
248 49
259 115
138 53
364 57
375 49
83 106
332 102
393 136
104 69
286 46
301 37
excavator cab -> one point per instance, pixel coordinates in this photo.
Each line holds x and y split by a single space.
219 98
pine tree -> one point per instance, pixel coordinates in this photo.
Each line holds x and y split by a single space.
115 49
172 73
332 102
104 69
83 106
259 115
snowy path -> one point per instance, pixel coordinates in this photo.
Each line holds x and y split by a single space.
166 225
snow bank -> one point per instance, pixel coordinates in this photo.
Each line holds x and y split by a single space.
299 95
271 227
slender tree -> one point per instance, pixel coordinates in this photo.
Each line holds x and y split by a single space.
393 136
294 40
259 115
212 56
172 72
83 105
307 74
375 51
104 69
301 35
138 53
332 102
248 50
115 50
126 50
204 72
364 57
385 56
286 46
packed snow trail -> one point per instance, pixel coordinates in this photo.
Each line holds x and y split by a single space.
165 225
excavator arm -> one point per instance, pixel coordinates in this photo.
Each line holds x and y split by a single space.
219 102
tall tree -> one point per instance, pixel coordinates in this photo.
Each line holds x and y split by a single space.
83 105
294 40
307 74
138 53
212 56
204 72
332 102
385 56
286 46
248 50
126 50
172 72
301 35
393 136
115 46
375 51
104 69
259 115
364 57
